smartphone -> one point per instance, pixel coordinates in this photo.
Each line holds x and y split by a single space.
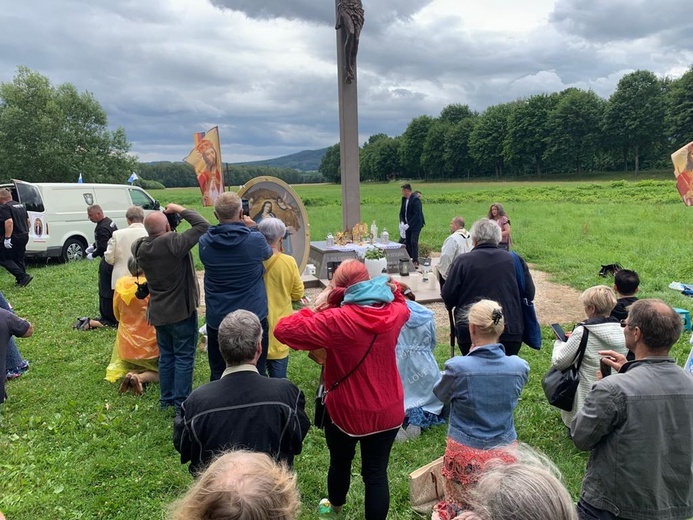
604 368
558 331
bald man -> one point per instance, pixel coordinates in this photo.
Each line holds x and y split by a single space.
165 257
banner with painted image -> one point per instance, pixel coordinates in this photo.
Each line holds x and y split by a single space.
205 157
683 171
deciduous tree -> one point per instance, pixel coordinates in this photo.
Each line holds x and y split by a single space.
331 164
574 129
634 115
488 136
412 144
52 133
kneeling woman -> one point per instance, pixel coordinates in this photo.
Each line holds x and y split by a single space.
482 388
135 355
358 327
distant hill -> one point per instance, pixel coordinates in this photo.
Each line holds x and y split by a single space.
306 161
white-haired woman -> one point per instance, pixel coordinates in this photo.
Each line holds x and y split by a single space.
284 286
604 333
528 489
487 272
482 389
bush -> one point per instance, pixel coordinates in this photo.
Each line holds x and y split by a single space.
149 185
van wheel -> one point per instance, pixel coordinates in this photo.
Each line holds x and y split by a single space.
73 250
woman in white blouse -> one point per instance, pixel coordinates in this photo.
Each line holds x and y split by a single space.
604 333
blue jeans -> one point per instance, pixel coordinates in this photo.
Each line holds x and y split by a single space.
278 367
14 358
177 345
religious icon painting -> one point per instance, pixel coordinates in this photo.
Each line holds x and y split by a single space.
271 197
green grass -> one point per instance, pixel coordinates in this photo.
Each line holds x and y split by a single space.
73 448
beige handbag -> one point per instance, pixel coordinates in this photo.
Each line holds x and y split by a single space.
426 487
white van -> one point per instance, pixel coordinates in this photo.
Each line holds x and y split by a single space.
59 227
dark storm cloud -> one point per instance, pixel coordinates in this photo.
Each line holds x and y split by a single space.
378 13
265 71
610 20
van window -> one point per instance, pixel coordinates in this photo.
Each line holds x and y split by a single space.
140 198
30 196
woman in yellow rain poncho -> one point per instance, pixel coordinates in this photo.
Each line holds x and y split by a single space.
135 353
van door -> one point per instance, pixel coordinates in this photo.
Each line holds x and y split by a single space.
29 195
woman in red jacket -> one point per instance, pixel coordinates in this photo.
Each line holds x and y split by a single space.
360 320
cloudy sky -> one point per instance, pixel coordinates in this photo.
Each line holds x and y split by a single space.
265 71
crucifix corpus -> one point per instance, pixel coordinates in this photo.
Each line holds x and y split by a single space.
349 22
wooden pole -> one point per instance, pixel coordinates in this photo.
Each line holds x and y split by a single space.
348 138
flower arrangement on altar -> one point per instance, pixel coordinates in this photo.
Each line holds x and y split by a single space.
359 234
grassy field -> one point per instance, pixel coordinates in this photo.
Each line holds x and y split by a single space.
73 448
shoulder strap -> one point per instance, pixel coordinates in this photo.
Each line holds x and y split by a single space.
337 383
519 273
272 261
583 346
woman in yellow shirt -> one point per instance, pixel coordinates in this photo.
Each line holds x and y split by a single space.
283 285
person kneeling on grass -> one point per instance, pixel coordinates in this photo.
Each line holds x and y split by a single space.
482 389
135 352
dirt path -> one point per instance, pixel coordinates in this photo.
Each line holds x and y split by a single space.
555 303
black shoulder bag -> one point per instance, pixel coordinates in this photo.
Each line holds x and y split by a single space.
560 386
321 415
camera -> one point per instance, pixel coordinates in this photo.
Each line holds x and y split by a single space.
142 290
173 220
246 207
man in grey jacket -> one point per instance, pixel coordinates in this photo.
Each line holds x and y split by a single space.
638 426
165 257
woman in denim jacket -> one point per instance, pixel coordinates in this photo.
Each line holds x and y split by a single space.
482 388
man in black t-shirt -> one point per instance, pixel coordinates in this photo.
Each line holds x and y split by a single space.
102 234
15 225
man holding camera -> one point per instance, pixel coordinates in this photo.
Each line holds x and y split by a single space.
165 257
232 253
638 426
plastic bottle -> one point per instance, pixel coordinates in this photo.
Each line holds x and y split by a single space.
384 237
329 242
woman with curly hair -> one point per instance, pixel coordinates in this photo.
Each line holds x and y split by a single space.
497 214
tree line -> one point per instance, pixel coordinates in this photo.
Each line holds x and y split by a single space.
55 134
182 174
573 131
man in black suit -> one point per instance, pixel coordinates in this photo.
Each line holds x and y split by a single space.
412 218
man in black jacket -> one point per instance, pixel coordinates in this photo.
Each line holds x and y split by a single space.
242 409
102 234
412 218
487 272
15 224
